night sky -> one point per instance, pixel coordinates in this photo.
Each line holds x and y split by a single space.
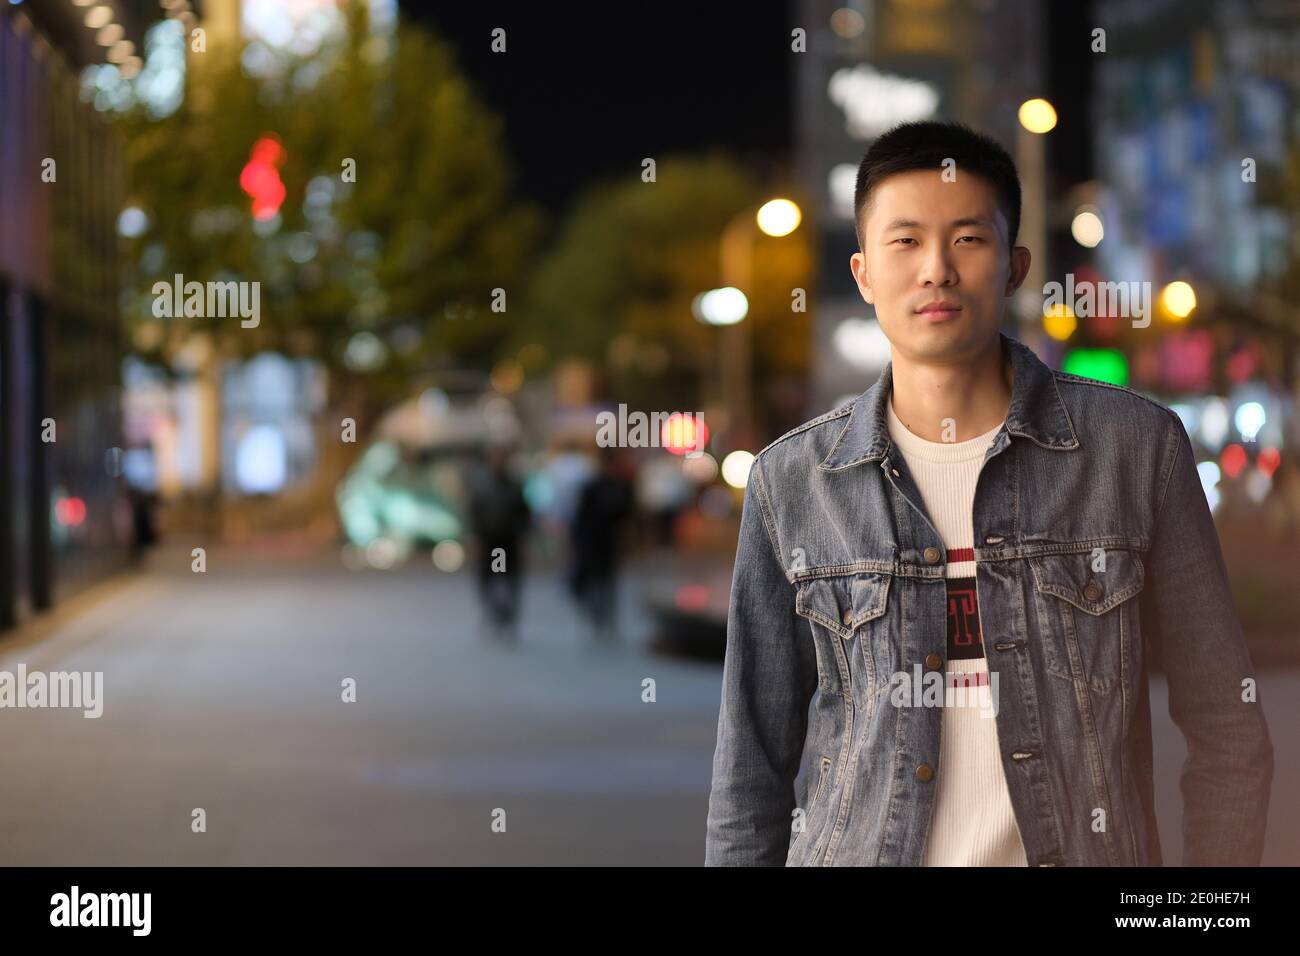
586 97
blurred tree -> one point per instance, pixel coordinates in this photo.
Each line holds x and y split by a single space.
395 230
617 286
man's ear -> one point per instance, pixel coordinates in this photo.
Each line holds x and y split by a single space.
1020 257
858 266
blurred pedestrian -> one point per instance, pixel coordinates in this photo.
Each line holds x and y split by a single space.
500 517
603 503
568 469
663 491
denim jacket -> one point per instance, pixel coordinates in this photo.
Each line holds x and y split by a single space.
1094 545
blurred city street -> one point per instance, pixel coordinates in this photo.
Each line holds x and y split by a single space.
223 692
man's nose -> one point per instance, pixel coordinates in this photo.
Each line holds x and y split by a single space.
937 268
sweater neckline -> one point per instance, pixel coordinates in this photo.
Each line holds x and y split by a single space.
913 444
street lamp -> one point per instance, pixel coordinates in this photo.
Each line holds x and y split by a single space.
776 218
1037 117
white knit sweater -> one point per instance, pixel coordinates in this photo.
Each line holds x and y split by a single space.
973 822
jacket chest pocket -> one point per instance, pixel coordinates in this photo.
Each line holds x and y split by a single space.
1088 614
838 608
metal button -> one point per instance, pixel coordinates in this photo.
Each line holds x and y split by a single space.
931 555
994 539
933 661
1092 591
895 471
848 617
925 772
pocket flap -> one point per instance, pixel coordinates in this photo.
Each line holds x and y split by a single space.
1093 582
829 600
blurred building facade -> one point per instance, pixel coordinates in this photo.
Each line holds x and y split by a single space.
870 65
1189 180
64 521
1195 154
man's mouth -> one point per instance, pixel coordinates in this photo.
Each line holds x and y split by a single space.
938 311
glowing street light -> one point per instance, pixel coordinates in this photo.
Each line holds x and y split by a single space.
1086 227
735 467
1059 322
779 217
1037 116
98 16
1178 299
725 306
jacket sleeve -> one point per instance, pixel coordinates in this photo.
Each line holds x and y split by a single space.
1188 610
768 679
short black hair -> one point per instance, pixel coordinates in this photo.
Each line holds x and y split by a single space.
925 145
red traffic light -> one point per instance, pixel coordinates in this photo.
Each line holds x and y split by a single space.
260 178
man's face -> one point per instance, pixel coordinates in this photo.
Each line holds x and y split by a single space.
926 241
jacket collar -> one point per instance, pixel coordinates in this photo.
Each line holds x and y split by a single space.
1036 412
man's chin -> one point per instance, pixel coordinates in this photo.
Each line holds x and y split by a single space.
950 341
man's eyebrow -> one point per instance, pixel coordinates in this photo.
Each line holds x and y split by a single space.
913 224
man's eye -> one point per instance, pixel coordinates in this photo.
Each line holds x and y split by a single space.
905 239
976 238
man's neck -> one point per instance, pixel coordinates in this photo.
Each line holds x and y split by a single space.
952 402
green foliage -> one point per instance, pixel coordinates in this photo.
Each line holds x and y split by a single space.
410 251
618 285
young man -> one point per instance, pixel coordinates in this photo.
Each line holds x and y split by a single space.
971 565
